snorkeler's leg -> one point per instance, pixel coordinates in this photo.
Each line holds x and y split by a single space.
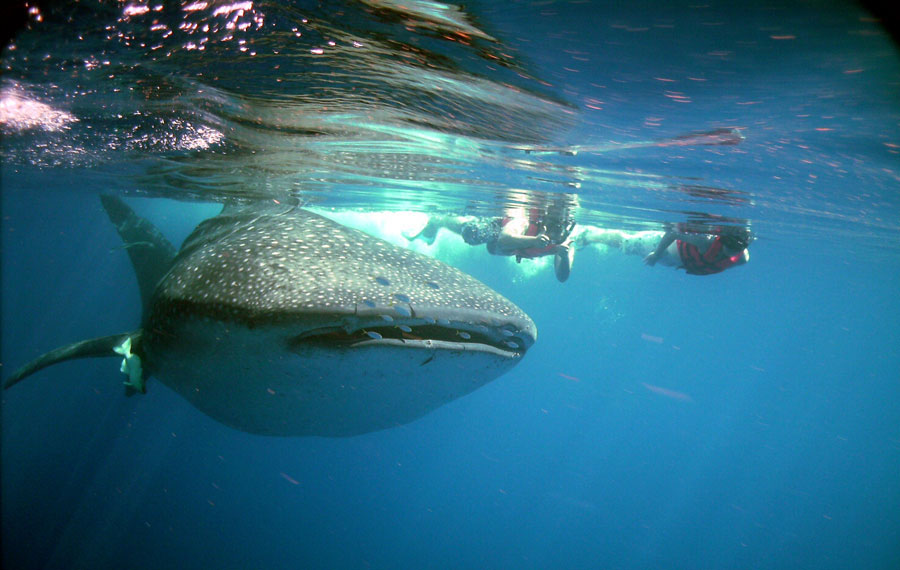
429 232
455 223
630 243
590 235
641 243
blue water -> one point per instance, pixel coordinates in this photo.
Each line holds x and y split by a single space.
742 420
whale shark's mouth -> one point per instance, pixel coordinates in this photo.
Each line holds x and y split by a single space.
504 341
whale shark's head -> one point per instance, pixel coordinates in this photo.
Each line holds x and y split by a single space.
275 320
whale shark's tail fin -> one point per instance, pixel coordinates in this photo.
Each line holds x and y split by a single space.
150 252
103 346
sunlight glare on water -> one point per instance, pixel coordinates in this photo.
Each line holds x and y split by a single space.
436 107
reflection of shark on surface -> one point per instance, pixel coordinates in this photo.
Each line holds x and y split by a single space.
274 320
724 136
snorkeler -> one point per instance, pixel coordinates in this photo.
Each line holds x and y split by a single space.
525 236
536 235
698 250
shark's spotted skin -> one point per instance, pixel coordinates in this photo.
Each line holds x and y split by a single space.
267 263
277 321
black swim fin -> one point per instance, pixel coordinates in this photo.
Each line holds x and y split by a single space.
562 262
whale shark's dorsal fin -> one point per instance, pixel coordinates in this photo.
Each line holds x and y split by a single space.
150 252
103 346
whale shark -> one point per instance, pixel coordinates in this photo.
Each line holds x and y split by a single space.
274 320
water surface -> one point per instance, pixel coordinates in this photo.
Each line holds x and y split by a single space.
741 420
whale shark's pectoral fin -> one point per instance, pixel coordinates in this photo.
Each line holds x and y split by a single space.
150 252
113 345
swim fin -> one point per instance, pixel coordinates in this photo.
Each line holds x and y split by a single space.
562 262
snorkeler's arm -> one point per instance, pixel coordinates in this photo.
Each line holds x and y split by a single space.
511 237
507 241
664 243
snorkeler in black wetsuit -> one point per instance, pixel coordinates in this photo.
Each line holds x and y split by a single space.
523 237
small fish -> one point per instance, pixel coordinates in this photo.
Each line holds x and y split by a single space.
667 393
289 479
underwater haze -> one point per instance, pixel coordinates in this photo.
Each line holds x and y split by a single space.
748 419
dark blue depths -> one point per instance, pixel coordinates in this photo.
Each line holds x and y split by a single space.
743 420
